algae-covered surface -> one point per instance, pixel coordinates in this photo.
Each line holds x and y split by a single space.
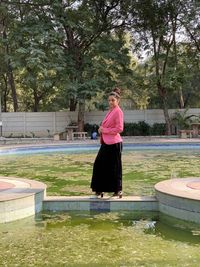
110 239
88 239
70 173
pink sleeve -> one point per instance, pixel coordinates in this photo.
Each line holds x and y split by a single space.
119 120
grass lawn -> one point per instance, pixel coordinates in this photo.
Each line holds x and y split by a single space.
70 174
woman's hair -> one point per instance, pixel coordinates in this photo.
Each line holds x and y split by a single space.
116 92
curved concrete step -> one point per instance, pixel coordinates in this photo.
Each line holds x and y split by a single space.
20 198
180 198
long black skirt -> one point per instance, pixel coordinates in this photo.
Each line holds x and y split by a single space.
107 169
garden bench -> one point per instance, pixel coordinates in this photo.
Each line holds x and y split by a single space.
81 135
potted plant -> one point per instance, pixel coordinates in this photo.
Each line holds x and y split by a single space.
182 121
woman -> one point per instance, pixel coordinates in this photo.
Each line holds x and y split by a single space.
107 169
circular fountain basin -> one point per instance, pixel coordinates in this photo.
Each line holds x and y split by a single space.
180 198
20 198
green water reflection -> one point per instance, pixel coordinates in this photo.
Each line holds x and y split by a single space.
100 239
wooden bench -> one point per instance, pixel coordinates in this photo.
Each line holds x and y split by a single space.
81 135
186 133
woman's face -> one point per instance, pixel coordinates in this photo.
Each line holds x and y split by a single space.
112 101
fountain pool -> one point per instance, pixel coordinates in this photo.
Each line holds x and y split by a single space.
90 238
100 239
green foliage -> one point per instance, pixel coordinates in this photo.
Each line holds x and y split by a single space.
183 121
89 127
135 129
158 129
61 53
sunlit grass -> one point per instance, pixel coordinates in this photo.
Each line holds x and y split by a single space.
70 174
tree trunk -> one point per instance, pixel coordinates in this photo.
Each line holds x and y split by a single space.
162 94
11 80
72 104
81 115
181 99
4 103
5 94
161 89
179 89
36 101
35 107
167 119
12 87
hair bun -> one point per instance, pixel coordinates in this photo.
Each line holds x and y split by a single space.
117 90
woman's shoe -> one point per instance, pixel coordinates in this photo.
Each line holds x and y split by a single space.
118 194
99 194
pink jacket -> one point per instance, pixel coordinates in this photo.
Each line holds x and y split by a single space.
112 126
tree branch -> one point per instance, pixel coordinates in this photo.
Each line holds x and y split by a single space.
197 43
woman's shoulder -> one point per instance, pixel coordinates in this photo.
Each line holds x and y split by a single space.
119 109
118 112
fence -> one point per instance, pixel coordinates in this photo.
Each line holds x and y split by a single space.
43 124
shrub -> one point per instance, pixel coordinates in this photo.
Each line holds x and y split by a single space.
158 129
140 128
89 127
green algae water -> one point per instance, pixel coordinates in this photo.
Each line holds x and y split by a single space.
100 239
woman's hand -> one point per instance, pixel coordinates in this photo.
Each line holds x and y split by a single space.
100 130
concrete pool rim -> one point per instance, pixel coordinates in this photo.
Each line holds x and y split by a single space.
28 197
20 198
179 198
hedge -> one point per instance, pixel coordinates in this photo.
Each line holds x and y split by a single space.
135 129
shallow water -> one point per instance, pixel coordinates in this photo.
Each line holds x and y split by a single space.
80 148
100 239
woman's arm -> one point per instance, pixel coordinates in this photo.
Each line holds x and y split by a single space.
119 120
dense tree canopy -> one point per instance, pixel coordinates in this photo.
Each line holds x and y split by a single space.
67 54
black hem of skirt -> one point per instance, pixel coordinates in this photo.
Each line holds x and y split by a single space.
107 169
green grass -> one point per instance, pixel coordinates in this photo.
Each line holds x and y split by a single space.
70 174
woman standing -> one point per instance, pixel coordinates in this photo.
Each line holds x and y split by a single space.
107 168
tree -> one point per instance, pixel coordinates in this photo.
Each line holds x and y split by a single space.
157 24
68 54
7 48
70 27
81 24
